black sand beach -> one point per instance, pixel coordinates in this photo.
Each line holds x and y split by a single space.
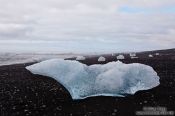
25 94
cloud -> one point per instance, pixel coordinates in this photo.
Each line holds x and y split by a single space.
123 22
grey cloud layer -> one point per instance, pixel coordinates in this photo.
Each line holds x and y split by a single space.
80 20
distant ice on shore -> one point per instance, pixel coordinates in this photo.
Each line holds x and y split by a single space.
120 57
80 58
101 59
111 79
14 58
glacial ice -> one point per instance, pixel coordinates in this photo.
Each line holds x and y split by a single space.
101 59
150 55
80 58
111 79
120 57
157 54
132 54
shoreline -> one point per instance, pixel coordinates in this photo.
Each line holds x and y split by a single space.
22 93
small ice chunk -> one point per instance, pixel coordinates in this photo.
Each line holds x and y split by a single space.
132 54
101 59
150 55
120 57
111 79
157 54
113 54
134 57
80 58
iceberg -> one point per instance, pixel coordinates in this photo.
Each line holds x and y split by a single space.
150 55
132 54
120 57
80 58
111 79
101 59
157 54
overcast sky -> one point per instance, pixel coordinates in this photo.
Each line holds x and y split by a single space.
86 25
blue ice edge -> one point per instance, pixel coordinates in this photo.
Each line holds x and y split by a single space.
111 79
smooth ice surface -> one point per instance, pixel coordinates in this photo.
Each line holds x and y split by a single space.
111 79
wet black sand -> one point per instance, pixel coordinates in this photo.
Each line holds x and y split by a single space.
22 93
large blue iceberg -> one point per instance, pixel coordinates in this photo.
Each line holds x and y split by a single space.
111 79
